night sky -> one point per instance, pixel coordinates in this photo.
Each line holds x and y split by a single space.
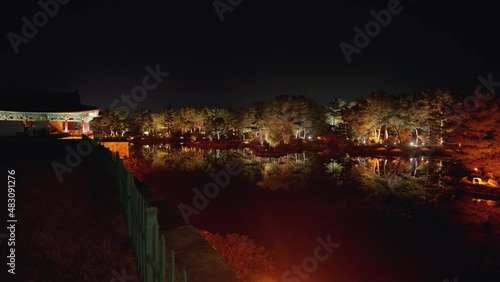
260 50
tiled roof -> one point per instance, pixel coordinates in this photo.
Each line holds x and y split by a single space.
20 100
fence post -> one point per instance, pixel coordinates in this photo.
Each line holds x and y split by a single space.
141 220
184 276
171 266
162 255
117 169
150 237
128 203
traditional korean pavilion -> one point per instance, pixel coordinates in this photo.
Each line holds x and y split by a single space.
56 112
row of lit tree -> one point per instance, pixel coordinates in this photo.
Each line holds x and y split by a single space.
275 121
436 117
416 117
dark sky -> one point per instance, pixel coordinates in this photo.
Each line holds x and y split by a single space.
261 49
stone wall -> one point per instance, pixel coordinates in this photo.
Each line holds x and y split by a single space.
117 146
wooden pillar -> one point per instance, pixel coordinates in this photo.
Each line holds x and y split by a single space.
151 242
85 126
66 125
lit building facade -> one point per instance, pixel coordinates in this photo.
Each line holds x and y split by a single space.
22 111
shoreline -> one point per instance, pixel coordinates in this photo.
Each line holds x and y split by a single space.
321 148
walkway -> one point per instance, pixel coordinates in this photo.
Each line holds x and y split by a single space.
68 231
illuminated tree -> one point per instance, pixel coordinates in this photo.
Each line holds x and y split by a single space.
478 136
98 125
298 116
142 121
248 260
313 117
358 118
168 119
277 131
112 120
334 112
187 119
421 114
218 120
379 107
198 121
399 116
440 107
280 119
158 124
250 119
247 123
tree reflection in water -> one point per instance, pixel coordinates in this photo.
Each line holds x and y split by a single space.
334 189
417 179
165 157
408 178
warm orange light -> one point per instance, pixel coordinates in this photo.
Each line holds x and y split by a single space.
475 169
266 279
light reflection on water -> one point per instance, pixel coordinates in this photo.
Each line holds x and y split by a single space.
421 178
258 213
300 170
490 203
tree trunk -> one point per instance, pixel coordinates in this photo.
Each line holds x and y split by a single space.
441 125
397 168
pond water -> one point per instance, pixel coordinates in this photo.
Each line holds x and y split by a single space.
396 219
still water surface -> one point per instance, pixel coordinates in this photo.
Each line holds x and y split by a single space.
396 219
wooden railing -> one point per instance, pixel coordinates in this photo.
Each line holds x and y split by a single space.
141 219
78 132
